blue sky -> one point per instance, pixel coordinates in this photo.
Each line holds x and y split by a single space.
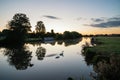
61 15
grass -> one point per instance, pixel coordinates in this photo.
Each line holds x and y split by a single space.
109 45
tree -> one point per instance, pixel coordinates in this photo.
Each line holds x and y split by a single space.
20 23
71 35
52 31
19 27
76 34
58 36
40 27
67 35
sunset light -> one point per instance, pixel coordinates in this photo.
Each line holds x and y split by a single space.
59 39
62 15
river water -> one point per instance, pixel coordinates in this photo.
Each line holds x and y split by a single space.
55 60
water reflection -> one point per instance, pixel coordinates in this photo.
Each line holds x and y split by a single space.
50 42
66 42
59 42
40 53
61 60
56 55
72 42
35 43
19 57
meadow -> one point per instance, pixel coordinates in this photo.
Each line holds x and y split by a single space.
106 45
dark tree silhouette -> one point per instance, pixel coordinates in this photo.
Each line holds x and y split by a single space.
40 27
18 26
71 35
52 31
20 22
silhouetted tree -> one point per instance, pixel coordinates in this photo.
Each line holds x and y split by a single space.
5 32
67 35
19 26
59 36
75 34
40 27
71 35
52 31
20 23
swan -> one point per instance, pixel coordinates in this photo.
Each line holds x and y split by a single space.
61 54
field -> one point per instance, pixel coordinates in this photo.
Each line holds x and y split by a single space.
108 45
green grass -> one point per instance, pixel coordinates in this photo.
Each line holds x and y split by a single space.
109 45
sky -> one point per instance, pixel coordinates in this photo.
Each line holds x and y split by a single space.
84 16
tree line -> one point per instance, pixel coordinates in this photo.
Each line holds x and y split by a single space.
19 29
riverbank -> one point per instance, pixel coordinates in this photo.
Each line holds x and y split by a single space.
106 45
105 57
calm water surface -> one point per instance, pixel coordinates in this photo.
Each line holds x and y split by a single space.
57 60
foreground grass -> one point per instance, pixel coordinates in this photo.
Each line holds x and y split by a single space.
109 45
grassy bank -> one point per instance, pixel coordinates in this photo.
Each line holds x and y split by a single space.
105 57
108 45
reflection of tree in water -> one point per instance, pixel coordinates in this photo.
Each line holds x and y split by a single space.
72 41
53 43
107 66
19 57
60 42
50 42
40 53
35 43
69 42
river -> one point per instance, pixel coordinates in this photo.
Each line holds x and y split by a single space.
55 60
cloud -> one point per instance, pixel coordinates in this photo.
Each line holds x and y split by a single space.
105 22
114 19
97 19
51 17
